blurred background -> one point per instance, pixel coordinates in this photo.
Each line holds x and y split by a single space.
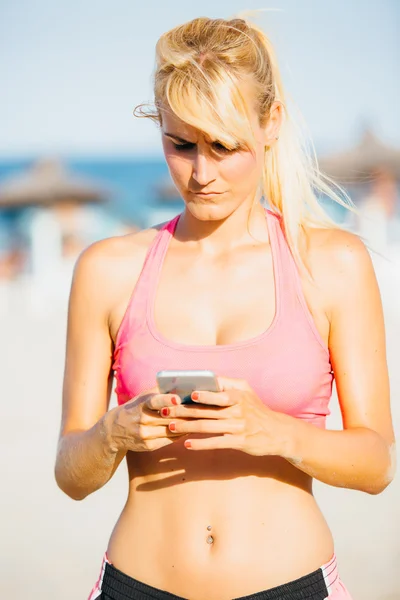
77 166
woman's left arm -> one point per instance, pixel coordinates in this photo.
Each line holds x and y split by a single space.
362 456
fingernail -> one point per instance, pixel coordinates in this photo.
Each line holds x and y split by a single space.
165 412
172 426
175 400
188 444
195 396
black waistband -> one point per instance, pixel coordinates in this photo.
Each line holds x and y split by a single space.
117 585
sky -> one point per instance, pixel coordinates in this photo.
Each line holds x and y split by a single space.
72 72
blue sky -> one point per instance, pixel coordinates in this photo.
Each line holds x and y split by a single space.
71 72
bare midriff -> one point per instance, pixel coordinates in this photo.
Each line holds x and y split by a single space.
217 524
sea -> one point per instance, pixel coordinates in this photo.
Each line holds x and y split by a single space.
131 184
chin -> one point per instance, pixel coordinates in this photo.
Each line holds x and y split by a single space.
207 210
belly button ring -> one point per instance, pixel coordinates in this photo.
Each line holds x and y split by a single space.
209 527
210 539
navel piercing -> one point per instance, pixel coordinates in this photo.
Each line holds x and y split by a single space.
210 539
209 527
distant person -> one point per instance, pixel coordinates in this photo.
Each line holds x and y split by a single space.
277 300
378 221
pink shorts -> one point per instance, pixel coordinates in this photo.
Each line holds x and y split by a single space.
323 583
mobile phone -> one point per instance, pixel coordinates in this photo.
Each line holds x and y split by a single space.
183 383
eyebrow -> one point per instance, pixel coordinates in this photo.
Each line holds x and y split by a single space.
176 137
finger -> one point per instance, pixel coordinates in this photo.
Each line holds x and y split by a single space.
206 426
214 443
214 398
157 401
152 432
230 383
190 411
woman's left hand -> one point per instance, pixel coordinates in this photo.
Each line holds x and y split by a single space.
238 417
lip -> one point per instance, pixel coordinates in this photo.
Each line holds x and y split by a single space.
207 193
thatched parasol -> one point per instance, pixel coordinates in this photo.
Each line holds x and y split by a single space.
47 183
358 164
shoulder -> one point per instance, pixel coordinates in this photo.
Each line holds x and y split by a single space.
105 268
339 262
343 247
108 254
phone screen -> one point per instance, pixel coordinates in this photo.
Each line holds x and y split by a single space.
184 383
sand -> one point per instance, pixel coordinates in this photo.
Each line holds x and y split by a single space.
52 546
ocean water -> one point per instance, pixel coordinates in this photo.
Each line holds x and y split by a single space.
130 183
132 186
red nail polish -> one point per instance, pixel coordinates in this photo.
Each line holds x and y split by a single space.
172 426
165 412
188 444
174 401
195 396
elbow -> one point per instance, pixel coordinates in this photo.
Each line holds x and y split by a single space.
66 486
377 488
73 493
77 496
386 476
70 491
381 483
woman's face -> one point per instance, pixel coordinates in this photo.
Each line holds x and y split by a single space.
201 166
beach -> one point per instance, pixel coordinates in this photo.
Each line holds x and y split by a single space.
53 546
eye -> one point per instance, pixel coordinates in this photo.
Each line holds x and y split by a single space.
218 147
221 148
182 147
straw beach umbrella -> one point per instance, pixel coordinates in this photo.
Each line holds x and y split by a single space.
45 211
47 183
358 164
372 170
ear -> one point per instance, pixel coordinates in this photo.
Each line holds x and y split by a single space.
273 126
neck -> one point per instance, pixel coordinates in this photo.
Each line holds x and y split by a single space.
212 236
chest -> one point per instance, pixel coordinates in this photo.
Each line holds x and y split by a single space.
286 366
215 300
224 300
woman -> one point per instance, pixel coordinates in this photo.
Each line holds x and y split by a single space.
277 301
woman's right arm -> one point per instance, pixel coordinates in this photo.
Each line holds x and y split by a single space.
93 440
86 456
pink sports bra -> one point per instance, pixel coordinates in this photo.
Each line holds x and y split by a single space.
288 365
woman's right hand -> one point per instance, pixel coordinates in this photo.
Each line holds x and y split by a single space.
137 425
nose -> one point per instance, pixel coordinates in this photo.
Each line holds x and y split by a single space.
203 169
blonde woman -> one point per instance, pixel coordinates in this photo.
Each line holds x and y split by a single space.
276 300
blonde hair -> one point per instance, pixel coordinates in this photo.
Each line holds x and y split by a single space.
199 68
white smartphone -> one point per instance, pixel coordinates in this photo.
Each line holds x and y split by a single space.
183 383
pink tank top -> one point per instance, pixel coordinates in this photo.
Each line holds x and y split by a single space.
288 365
